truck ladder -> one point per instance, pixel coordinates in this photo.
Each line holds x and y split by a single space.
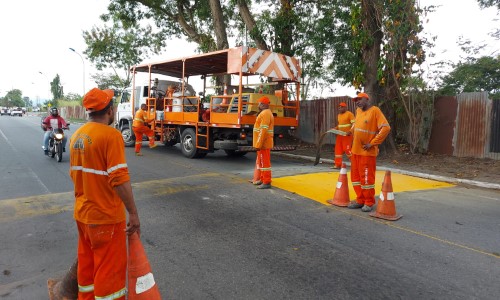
206 136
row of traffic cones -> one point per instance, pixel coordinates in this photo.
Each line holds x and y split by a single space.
141 283
386 206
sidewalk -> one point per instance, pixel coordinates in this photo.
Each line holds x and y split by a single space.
404 172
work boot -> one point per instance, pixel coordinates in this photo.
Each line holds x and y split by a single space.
366 208
153 146
264 186
138 154
354 205
46 152
258 182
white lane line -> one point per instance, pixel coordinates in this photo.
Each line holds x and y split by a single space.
32 173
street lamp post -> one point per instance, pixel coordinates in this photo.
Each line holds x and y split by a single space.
83 63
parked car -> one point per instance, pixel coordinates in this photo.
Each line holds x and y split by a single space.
16 111
4 111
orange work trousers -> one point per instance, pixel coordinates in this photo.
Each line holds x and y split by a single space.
363 170
262 169
342 145
102 261
139 131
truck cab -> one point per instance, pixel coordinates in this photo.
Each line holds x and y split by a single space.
130 100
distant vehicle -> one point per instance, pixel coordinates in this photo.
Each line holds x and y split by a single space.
16 111
4 111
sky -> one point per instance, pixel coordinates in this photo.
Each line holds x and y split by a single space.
36 37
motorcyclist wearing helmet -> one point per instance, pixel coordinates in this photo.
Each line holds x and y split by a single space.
50 122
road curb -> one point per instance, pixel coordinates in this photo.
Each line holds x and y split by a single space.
404 172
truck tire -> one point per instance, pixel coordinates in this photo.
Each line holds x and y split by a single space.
128 136
188 144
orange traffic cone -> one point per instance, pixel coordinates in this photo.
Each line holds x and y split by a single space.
141 283
386 207
225 89
341 196
65 288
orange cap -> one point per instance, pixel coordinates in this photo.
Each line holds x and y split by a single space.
361 95
264 100
343 104
96 99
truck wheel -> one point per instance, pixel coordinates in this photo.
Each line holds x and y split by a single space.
234 153
128 136
188 144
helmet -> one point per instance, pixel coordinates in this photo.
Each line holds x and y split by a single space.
54 112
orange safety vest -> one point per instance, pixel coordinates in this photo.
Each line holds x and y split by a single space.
263 130
370 126
345 121
97 165
140 118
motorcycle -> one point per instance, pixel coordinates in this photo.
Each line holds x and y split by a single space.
56 143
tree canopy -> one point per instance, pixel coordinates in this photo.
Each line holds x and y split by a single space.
474 75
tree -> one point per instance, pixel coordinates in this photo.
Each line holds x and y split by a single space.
13 98
489 3
120 47
109 81
56 89
474 75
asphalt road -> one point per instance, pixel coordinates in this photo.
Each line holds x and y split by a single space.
209 234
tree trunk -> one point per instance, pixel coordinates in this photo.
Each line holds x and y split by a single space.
371 23
252 28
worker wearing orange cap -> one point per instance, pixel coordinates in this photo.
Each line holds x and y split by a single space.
343 143
263 132
139 127
102 193
369 130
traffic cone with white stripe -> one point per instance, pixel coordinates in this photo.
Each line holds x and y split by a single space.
141 283
341 196
386 206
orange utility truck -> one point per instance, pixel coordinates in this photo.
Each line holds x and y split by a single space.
205 123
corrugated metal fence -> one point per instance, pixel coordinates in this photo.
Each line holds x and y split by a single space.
467 125
317 116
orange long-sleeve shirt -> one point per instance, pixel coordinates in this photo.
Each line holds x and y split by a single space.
141 117
345 121
263 130
97 165
371 127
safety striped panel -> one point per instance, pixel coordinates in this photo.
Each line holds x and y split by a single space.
270 64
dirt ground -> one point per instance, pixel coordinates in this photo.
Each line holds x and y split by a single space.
485 170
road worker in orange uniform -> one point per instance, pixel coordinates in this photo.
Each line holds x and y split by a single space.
263 135
102 193
370 130
343 143
139 127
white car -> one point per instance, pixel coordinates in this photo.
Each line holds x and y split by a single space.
16 112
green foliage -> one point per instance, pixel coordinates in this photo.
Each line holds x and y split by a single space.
474 75
111 81
13 98
65 103
56 88
120 46
489 3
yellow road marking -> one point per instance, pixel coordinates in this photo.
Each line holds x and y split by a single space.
320 187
